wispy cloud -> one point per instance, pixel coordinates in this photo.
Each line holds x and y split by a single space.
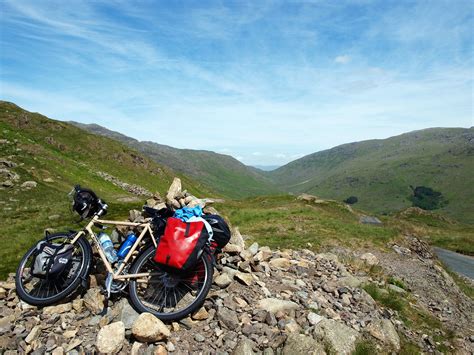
342 59
252 78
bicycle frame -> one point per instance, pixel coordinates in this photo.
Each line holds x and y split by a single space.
116 275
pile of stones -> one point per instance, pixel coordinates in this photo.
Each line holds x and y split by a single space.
262 301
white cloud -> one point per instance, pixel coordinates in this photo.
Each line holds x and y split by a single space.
342 59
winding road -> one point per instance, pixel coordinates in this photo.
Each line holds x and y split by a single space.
462 264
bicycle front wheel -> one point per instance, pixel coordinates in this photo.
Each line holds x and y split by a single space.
169 296
43 292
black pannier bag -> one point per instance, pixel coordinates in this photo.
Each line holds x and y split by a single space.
220 229
51 259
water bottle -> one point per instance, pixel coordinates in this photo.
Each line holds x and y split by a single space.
126 245
107 247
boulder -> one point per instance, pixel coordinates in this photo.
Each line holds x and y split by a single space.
174 190
223 280
228 318
340 338
275 305
232 249
138 348
314 318
94 300
201 314
33 334
349 281
282 263
110 338
263 255
29 184
370 220
246 279
307 198
60 308
7 183
384 330
300 344
396 289
149 329
244 347
370 259
253 248
237 239
127 314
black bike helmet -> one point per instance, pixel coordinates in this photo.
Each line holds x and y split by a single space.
85 202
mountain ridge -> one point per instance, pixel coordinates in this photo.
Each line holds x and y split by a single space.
220 172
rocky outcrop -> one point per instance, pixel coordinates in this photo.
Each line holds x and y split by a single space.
134 189
254 306
177 198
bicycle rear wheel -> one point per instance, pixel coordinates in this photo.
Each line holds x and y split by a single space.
43 292
169 296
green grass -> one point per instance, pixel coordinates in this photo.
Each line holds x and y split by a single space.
365 347
413 316
386 298
379 172
397 282
43 148
285 222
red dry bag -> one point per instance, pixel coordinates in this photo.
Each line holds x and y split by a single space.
181 244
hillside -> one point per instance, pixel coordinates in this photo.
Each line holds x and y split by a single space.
373 290
54 156
379 172
219 172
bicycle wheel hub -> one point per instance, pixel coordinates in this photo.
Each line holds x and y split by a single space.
170 280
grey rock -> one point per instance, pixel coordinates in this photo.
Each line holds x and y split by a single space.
94 300
29 184
199 337
396 289
228 318
110 338
275 305
149 329
223 280
338 336
127 314
7 183
253 248
300 344
370 220
370 259
384 330
244 347
314 318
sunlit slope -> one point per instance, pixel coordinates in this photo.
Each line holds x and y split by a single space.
379 172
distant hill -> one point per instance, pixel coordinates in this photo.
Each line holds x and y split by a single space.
56 155
379 172
221 173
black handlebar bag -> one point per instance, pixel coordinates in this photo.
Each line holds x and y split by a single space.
51 259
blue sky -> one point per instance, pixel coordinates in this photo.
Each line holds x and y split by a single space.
263 81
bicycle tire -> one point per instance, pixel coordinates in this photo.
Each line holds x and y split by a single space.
194 306
81 274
